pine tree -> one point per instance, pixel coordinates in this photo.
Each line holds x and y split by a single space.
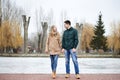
99 41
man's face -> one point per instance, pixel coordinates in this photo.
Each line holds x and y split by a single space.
66 25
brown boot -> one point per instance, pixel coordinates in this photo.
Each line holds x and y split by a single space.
53 75
77 76
67 75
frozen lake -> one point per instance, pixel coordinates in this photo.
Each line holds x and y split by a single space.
29 65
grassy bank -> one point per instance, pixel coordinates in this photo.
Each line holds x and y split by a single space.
81 55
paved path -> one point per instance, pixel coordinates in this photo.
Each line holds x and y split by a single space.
59 77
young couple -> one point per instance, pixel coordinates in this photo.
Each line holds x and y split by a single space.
69 44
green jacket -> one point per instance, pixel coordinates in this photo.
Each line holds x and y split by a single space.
70 39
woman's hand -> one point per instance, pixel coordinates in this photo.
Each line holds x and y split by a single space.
46 51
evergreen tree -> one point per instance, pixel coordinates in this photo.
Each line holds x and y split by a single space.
99 41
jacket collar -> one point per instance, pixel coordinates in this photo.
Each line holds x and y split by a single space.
70 28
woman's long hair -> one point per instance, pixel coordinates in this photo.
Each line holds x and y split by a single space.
52 32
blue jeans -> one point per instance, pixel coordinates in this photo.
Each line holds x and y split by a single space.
74 59
54 59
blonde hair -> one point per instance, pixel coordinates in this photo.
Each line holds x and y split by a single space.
52 32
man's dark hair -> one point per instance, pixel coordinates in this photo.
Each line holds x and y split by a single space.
67 22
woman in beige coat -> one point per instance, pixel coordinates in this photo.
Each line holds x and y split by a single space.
53 47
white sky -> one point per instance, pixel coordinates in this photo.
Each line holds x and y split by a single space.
77 10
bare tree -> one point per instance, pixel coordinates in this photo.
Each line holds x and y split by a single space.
43 23
63 18
86 37
50 18
40 17
10 13
26 24
44 36
39 29
79 27
114 38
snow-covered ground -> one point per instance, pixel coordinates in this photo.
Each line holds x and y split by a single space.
29 65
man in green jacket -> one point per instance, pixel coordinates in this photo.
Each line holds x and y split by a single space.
69 44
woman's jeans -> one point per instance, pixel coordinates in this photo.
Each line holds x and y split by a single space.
54 59
74 59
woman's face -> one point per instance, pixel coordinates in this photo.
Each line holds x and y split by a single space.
55 29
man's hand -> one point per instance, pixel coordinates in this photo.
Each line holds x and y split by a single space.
74 50
63 50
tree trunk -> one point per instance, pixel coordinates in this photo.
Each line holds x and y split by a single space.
119 51
79 29
39 39
25 24
44 36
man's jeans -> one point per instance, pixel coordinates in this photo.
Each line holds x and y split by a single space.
74 59
54 59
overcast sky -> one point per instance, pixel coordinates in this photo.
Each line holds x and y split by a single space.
77 10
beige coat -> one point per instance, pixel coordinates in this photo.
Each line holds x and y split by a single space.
53 44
